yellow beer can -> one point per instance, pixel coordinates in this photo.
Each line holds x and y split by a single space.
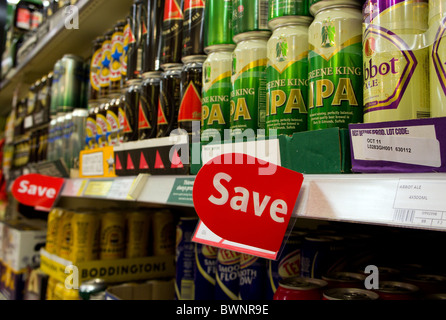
59 290
54 218
164 233
65 236
70 294
50 288
138 234
86 228
112 236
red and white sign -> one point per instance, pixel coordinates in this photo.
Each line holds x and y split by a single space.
242 206
37 190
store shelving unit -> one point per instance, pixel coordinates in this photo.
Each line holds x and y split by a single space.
95 17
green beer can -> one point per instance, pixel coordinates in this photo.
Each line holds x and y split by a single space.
335 70
55 87
249 15
287 75
248 95
218 23
280 8
72 75
216 92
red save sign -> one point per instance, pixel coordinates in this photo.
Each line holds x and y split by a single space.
37 190
240 201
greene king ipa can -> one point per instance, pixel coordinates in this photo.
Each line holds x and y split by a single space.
249 15
335 65
218 23
248 95
216 104
437 58
287 75
205 266
280 8
396 75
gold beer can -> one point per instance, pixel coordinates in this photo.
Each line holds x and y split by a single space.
59 290
65 236
164 232
50 288
70 294
112 236
137 235
86 228
437 58
54 218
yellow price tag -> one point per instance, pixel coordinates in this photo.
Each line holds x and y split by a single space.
98 188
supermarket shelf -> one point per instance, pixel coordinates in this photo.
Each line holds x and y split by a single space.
404 200
95 17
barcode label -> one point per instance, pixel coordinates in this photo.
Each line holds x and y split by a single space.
187 290
422 218
263 14
423 114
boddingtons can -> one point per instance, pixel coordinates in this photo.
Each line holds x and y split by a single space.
335 65
287 75
86 228
163 233
248 94
216 94
437 58
65 236
112 236
137 234
396 66
54 219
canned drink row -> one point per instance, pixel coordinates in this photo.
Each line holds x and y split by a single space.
85 235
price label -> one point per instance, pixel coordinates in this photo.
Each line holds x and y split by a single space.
98 188
120 189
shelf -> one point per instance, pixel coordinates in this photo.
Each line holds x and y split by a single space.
403 200
95 17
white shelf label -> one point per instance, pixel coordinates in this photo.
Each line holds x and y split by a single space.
420 203
120 188
92 164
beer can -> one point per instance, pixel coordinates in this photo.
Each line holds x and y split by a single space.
349 294
64 246
106 59
249 15
163 233
31 99
396 72
137 234
86 232
281 8
185 259
169 101
50 288
395 290
148 113
121 116
216 93
59 290
297 288
288 263
129 122
153 40
91 130
51 140
95 68
437 74
71 82
190 92
342 279
138 30
227 285
427 283
78 135
335 67
218 28
70 294
93 289
113 124
318 254
55 88
127 38
193 25
117 81
172 34
248 95
252 277
102 125
54 219
205 269
287 75
68 127
112 236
